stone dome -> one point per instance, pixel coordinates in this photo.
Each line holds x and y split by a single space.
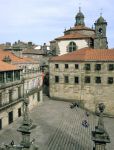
80 14
100 20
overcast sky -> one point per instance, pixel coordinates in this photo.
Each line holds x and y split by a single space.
41 21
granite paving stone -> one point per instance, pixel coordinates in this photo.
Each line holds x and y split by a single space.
58 127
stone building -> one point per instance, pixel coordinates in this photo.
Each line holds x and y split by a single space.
86 73
85 76
80 36
19 78
10 93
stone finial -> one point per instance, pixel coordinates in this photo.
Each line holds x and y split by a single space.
100 135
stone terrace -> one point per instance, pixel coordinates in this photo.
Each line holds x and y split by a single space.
59 128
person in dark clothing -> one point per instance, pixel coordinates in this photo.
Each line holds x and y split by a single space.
85 123
87 113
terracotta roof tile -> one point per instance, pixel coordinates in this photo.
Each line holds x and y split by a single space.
7 67
74 36
13 57
87 54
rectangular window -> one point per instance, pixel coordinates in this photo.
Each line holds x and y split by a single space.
66 79
76 80
0 124
66 66
87 67
56 66
38 96
110 80
1 77
87 79
98 67
76 66
16 75
10 117
19 112
9 76
111 67
98 80
56 79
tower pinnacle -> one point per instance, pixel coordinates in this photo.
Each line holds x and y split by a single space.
79 18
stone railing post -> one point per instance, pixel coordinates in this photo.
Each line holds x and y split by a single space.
100 135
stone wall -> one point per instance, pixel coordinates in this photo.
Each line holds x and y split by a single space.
12 102
88 94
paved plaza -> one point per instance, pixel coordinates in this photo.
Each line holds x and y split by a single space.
59 128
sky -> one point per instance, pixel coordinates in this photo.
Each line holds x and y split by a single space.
41 21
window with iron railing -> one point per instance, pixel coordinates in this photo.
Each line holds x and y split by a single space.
98 67
87 79
87 67
98 80
110 80
110 67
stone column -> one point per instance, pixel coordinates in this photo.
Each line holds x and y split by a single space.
26 126
100 135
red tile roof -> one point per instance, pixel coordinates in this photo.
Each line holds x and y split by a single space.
74 36
87 54
7 67
14 58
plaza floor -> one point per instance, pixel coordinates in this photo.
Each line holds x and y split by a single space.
59 128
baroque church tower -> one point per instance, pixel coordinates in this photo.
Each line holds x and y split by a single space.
100 41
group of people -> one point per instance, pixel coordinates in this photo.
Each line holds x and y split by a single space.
74 105
84 122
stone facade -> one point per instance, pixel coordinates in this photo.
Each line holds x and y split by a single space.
12 93
89 95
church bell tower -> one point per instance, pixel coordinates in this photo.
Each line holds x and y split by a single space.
100 41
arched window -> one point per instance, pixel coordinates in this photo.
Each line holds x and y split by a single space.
72 47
